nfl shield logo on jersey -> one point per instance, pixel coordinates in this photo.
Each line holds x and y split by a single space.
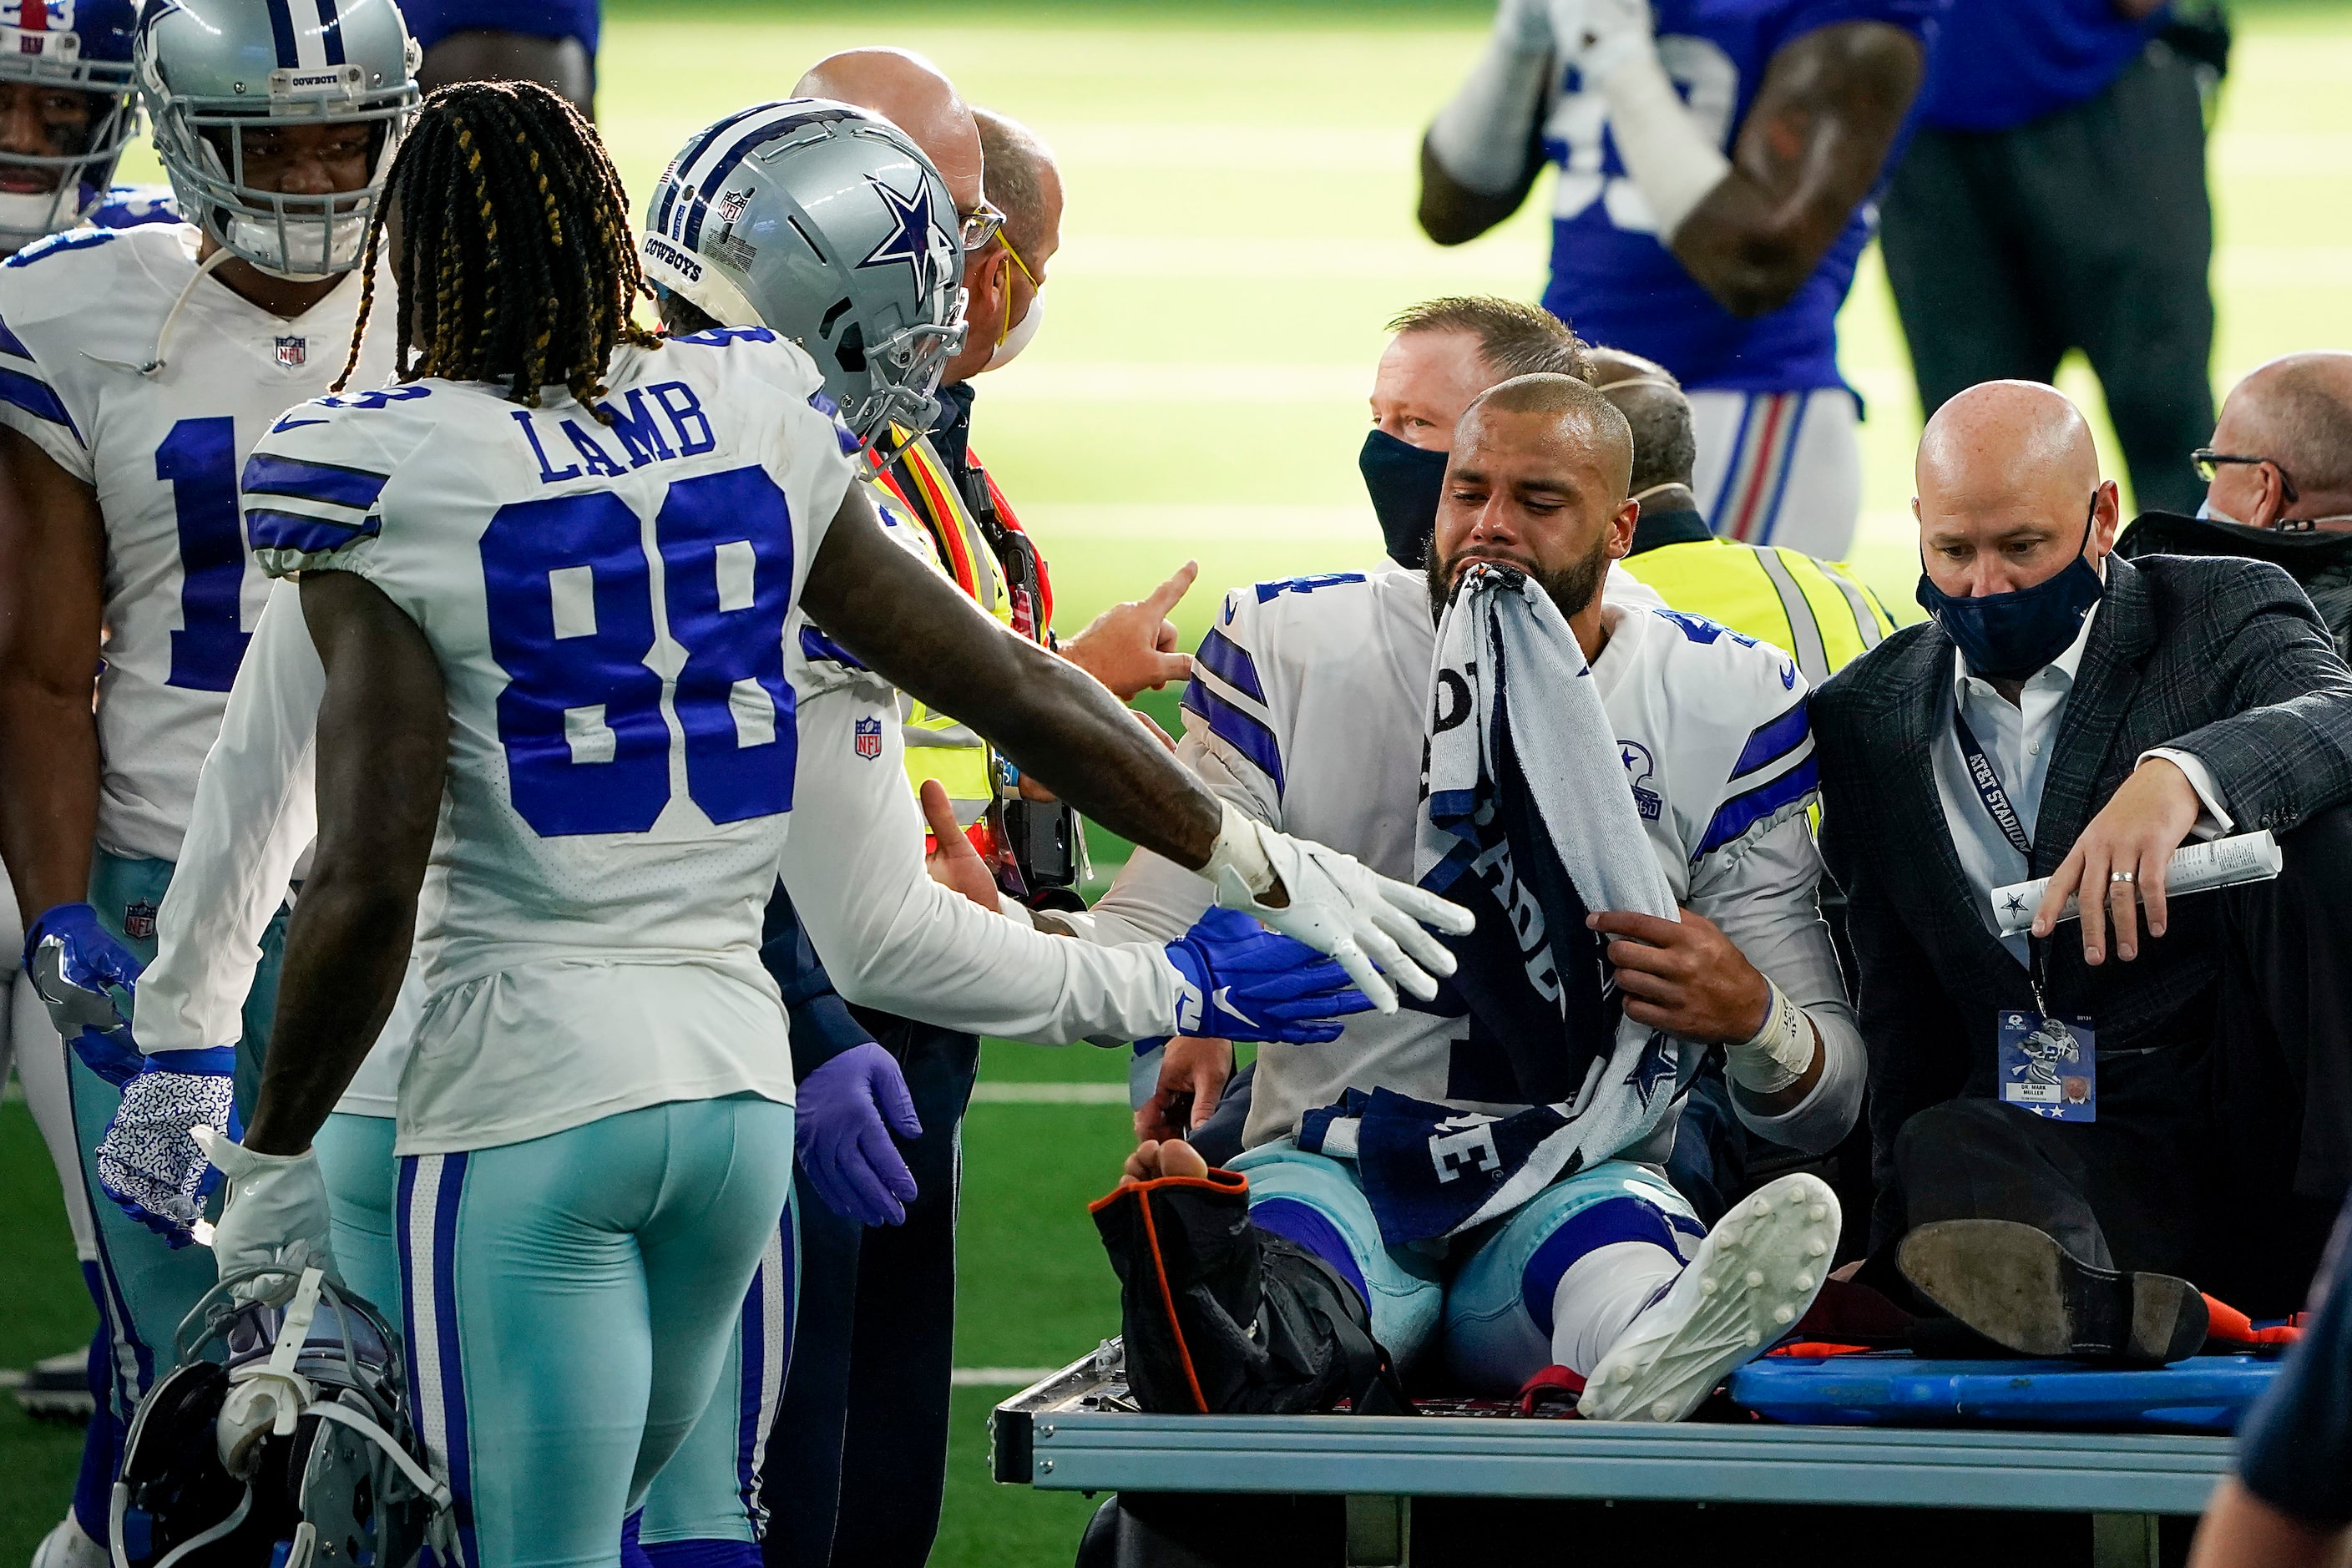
138 921
868 741
292 351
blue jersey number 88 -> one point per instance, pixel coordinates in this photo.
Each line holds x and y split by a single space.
569 596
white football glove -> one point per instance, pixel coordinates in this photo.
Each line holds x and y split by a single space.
276 1212
1335 904
1608 35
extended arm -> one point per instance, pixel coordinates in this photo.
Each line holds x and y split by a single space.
1050 718
52 574
383 747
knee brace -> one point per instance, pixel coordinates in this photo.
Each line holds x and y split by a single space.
1221 1317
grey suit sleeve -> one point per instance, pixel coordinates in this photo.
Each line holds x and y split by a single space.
2285 751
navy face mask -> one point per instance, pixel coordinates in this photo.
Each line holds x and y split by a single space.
2008 636
1405 483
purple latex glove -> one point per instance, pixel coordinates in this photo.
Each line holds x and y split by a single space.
848 1110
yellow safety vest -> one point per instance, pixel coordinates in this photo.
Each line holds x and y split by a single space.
1816 610
939 747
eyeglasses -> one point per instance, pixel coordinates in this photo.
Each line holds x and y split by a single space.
980 224
2208 461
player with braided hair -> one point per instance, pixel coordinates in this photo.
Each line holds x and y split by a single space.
598 760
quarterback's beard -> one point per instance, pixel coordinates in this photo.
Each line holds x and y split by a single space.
1570 588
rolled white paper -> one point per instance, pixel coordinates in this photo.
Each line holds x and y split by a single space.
2193 869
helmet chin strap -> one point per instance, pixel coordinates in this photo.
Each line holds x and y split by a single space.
156 361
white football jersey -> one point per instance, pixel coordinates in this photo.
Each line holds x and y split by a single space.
79 313
608 605
1306 710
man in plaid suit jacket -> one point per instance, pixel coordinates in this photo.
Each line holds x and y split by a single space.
2088 719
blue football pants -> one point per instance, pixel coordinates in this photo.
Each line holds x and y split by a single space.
144 1288
572 1303
1490 1294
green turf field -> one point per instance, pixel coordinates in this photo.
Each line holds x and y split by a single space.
1240 200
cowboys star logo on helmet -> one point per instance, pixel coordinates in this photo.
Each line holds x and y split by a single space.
817 202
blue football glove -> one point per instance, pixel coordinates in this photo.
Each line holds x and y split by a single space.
844 1145
1242 982
77 969
150 1161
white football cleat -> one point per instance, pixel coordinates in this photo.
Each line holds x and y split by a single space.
67 1547
1755 1275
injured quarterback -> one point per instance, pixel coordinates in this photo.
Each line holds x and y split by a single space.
1621 792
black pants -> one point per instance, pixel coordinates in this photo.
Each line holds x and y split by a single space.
2088 228
857 1458
2221 1157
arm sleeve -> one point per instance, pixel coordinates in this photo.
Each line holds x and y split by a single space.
822 1025
310 489
1767 900
893 939
255 813
1155 899
2294 1451
1485 136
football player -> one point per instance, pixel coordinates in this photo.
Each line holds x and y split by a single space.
1293 723
137 367
1719 165
550 575
551 42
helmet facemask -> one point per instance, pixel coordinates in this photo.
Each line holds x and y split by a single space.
80 178
202 142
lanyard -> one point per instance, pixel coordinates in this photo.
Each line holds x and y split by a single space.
1987 784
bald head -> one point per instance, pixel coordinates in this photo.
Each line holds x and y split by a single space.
2296 413
2007 476
1665 450
917 96
1537 481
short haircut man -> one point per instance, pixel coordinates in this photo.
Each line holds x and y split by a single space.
1514 338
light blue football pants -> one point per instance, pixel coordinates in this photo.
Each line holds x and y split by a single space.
145 1286
573 1302
1491 1291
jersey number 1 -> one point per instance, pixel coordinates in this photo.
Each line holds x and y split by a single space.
198 460
571 602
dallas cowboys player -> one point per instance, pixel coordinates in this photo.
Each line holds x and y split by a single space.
549 576
1719 167
136 368
1308 705
66 114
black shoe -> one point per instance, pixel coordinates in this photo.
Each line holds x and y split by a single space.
2018 1288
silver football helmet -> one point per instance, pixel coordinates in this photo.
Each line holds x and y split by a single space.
825 223
212 69
281 1437
84 46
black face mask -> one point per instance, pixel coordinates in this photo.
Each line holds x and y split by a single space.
2008 636
1405 483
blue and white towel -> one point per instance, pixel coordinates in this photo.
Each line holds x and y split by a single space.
1527 820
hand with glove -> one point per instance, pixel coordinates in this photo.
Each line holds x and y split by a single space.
276 1212
1335 904
77 967
149 1162
1606 35
848 1109
1237 981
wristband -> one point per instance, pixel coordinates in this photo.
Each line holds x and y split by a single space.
1776 1055
1672 163
1238 849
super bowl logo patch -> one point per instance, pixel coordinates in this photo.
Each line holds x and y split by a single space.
866 740
138 921
292 352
